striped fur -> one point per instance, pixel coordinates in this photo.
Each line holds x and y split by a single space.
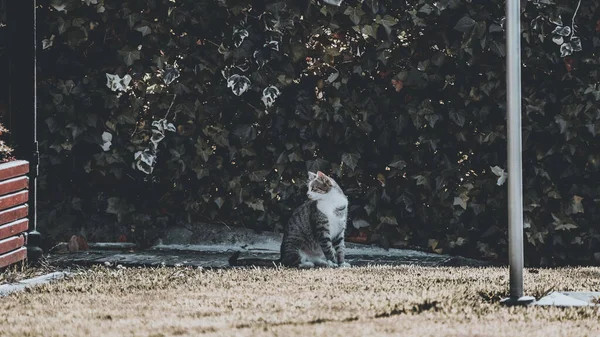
314 235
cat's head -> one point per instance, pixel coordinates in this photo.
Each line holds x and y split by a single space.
320 185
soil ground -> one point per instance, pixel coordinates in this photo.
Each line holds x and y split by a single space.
362 301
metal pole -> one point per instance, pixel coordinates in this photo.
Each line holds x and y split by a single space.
515 170
21 22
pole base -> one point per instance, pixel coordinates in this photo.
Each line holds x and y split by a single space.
34 252
515 301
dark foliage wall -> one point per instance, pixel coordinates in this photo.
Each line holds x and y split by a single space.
156 112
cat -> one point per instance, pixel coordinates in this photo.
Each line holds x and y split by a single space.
314 235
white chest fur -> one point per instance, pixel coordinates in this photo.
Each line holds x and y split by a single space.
328 206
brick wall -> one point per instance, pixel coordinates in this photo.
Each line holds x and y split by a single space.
14 223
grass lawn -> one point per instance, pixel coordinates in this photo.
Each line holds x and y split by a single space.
369 301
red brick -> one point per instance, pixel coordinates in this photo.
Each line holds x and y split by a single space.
13 257
13 169
14 199
13 214
14 228
12 243
14 185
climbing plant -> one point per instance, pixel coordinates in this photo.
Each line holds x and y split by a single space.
162 112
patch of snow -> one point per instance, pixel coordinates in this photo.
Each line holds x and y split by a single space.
569 299
10 288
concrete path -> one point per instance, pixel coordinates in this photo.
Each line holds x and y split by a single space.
213 247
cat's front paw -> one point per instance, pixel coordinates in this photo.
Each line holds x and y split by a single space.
331 264
344 265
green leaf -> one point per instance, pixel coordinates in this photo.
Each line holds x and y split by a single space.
498 48
370 30
295 156
355 14
351 160
130 55
317 165
259 176
256 205
421 180
219 202
464 24
460 201
145 30
388 22
457 117
132 19
399 164
389 220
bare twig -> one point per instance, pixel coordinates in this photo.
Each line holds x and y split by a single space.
573 20
170 106
134 130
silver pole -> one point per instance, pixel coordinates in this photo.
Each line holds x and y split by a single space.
515 180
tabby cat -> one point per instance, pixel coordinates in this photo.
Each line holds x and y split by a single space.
314 235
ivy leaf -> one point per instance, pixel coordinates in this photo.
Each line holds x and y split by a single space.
432 119
144 161
464 24
501 175
594 90
257 205
562 225
498 48
460 201
355 14
52 124
130 55
360 223
317 165
219 202
426 9
116 83
566 49
132 19
369 30
294 156
258 176
399 164
562 123
558 39
145 30
388 22
562 31
269 95
388 220
239 35
576 43
421 180
351 159
170 75
119 207
245 133
238 84
458 117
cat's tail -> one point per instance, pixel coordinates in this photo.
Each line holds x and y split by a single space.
234 262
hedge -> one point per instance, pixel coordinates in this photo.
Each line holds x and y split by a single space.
157 113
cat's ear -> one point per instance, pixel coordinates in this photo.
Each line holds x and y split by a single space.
311 176
321 174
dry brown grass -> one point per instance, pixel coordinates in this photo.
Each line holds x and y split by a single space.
20 271
373 301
